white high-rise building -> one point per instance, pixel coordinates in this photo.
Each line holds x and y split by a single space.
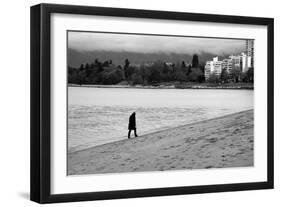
242 61
213 67
245 62
227 64
236 60
250 51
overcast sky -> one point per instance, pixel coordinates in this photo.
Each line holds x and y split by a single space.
89 41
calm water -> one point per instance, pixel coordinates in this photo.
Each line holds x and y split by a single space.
100 115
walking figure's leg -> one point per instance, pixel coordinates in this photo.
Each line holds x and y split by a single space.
135 131
129 133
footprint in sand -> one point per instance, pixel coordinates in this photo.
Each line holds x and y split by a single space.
212 140
100 168
236 131
187 141
175 157
205 145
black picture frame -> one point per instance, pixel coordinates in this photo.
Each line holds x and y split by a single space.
41 98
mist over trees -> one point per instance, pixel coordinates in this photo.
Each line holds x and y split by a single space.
150 73
76 58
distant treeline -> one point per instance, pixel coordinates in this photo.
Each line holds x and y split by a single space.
107 73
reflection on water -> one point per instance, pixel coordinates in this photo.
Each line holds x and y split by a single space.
100 115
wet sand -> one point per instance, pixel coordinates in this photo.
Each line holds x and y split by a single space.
221 142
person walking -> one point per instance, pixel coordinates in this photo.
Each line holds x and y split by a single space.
132 125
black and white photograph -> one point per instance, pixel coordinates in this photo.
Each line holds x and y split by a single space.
151 102
131 103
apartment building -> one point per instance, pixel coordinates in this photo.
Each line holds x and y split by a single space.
213 67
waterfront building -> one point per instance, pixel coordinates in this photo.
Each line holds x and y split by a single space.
246 62
213 67
242 61
249 50
227 64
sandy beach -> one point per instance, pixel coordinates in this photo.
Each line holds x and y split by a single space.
221 142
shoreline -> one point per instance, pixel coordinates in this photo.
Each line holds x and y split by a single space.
175 148
194 86
173 128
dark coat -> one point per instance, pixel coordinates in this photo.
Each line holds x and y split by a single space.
132 121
